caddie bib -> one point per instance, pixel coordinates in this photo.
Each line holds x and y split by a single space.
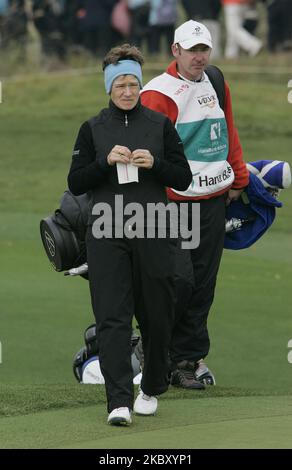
202 127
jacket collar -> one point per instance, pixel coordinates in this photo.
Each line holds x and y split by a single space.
120 113
172 70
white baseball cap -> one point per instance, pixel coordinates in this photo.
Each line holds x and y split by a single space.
191 33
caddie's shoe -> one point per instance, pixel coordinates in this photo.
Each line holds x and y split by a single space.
184 376
120 417
203 373
145 405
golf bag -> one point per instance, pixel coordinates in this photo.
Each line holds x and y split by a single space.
253 213
63 233
86 367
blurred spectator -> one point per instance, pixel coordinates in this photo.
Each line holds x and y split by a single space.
47 20
94 22
251 18
121 18
279 25
4 5
139 10
162 19
237 37
14 25
206 12
69 23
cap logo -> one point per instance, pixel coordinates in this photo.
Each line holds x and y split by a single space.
197 30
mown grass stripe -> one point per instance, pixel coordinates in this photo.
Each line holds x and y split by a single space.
22 400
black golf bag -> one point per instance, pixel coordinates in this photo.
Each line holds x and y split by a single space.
63 233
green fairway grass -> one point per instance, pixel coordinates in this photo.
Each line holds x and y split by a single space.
43 314
219 418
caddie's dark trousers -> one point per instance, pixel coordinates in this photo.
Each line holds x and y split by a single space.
130 277
190 338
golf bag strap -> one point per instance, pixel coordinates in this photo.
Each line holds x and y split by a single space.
216 77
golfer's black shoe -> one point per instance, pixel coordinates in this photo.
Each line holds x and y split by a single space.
184 376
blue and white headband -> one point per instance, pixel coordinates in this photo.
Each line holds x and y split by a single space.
123 67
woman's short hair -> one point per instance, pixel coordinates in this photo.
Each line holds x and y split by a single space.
124 52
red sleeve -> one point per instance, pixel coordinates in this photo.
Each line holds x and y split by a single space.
235 157
160 103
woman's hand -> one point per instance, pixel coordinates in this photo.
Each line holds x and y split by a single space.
119 154
142 158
